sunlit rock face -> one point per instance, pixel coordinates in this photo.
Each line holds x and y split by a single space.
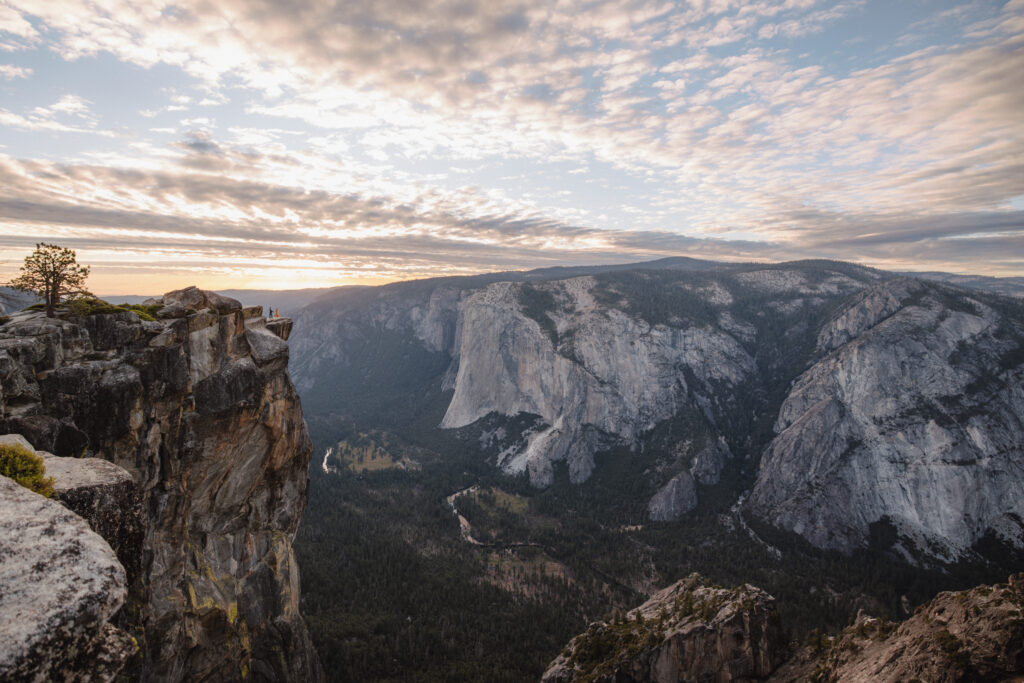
913 417
199 409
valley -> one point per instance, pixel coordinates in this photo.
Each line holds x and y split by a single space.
504 405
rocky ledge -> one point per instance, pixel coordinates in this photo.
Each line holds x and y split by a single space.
690 631
974 635
196 407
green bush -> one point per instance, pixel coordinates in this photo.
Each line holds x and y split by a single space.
86 306
26 468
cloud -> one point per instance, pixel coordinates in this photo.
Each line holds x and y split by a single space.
201 218
10 72
457 126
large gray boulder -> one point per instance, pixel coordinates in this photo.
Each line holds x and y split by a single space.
60 586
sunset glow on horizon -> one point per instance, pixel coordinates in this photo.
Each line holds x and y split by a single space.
314 143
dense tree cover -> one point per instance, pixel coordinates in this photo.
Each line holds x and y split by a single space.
391 592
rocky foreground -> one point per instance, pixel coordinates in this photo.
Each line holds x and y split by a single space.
693 631
181 444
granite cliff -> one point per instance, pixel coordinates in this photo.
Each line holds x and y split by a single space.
197 409
912 418
812 384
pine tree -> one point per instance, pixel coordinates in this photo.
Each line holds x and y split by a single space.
51 272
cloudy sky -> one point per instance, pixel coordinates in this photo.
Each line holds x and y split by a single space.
292 143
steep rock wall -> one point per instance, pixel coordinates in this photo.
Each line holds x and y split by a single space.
199 409
914 418
596 376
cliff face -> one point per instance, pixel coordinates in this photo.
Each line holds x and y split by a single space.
897 404
594 374
689 631
198 408
914 417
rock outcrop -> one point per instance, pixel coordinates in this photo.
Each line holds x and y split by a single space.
913 418
693 632
690 631
974 635
674 499
199 410
60 587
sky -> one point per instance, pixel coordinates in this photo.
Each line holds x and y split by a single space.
302 143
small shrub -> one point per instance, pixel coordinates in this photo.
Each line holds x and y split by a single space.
143 311
26 468
86 306
4 319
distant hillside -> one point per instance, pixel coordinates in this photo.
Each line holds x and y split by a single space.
14 300
1011 286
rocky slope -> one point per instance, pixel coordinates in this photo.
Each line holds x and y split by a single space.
973 635
913 418
693 632
689 631
199 409
814 383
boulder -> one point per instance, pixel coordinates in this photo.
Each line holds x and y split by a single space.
175 309
222 304
60 585
266 346
106 497
195 299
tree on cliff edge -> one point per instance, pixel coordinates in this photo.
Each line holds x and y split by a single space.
51 272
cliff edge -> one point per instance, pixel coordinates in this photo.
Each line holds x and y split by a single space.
197 406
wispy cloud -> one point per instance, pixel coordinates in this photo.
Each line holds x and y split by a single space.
721 128
10 72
